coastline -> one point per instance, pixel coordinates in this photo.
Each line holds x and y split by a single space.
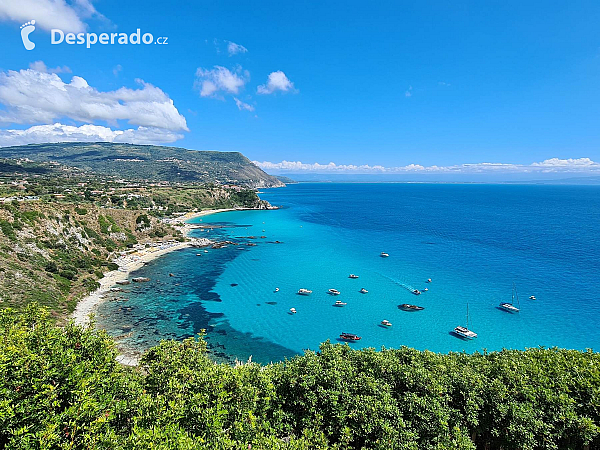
88 305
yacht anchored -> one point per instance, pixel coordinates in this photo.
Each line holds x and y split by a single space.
386 323
363 291
333 292
339 303
304 292
276 289
407 307
293 310
384 254
510 307
464 332
532 297
352 276
349 337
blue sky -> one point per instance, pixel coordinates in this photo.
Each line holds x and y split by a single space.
381 85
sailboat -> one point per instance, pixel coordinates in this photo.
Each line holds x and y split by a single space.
464 332
510 307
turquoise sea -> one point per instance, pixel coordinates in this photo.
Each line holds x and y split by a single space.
473 241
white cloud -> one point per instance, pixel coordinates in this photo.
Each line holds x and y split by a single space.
241 105
41 67
85 133
220 79
234 49
276 81
31 96
117 69
553 165
48 14
408 92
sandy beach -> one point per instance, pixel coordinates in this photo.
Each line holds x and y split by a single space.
132 262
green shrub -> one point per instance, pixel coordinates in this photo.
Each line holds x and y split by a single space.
62 388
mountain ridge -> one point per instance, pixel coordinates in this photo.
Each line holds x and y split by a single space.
149 162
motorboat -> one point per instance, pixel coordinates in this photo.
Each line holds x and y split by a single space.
429 280
352 276
276 289
293 310
384 254
349 337
416 292
407 307
339 303
304 292
532 297
333 292
363 291
386 323
425 290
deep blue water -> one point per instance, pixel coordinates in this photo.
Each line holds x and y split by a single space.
474 241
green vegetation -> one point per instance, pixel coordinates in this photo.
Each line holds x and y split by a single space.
147 162
61 388
60 226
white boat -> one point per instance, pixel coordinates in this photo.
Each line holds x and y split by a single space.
510 307
429 280
333 292
339 303
464 332
386 323
384 254
276 289
293 310
304 292
352 276
363 291
532 297
425 290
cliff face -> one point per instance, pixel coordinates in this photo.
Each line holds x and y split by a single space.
150 162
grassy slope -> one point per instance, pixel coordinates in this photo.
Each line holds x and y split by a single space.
149 162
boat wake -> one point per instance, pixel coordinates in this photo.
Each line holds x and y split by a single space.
408 287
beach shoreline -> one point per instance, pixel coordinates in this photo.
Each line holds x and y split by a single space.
89 304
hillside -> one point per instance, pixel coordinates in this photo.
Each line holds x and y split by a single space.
61 227
149 162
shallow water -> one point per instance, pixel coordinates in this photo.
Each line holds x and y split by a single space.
474 241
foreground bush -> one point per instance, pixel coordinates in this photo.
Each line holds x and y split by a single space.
61 388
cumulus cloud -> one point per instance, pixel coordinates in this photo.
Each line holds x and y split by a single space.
243 106
86 133
41 67
408 92
276 81
117 69
553 165
48 14
31 96
219 79
234 49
